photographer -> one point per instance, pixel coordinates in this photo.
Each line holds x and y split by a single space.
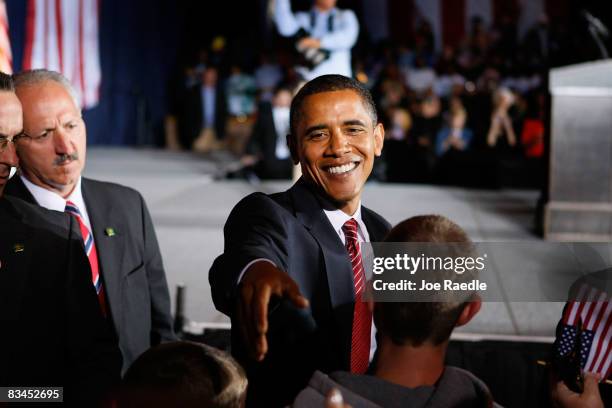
323 36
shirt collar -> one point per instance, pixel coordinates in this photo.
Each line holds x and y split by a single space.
337 218
53 201
324 13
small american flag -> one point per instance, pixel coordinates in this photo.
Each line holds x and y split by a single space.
586 331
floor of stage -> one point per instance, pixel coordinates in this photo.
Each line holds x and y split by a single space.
189 206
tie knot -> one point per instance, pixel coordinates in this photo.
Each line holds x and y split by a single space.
350 230
72 209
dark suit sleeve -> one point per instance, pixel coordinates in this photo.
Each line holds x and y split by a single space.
92 352
161 319
255 229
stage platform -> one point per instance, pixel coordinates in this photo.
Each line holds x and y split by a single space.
189 204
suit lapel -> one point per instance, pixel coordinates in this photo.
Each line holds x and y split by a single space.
376 230
337 266
338 269
15 251
110 248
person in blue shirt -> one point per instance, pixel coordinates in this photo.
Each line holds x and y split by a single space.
455 135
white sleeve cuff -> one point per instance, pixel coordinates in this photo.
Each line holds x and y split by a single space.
249 265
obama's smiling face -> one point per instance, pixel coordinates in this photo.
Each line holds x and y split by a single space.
335 141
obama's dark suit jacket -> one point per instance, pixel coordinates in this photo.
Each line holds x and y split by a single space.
291 230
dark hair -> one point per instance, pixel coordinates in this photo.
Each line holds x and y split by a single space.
39 76
427 228
417 322
6 83
184 374
329 83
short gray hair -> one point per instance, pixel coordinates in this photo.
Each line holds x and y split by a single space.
37 76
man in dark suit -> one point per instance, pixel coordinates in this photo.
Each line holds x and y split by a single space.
114 221
300 250
267 148
203 113
53 333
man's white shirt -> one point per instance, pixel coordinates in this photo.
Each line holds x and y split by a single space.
53 201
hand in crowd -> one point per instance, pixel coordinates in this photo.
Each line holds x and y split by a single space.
262 281
335 400
456 142
309 42
563 397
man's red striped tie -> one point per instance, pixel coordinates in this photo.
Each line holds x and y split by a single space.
362 317
90 251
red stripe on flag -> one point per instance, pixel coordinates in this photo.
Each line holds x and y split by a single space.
81 55
29 45
578 318
568 312
597 310
58 28
453 21
99 2
602 337
46 35
572 312
598 343
590 307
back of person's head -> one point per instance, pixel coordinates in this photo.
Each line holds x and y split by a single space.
416 323
184 374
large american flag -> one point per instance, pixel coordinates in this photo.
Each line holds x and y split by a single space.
6 56
586 331
62 35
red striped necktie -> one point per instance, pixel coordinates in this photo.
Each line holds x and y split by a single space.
90 251
362 317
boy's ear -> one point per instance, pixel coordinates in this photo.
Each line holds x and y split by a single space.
469 311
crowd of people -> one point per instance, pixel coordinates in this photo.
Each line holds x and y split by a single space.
83 257
80 257
470 114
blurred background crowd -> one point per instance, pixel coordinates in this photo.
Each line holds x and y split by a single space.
461 86
467 110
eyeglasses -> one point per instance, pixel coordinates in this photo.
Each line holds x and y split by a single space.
5 140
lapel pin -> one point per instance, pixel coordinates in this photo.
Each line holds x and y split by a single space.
110 232
17 248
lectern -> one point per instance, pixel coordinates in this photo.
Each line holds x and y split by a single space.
579 204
